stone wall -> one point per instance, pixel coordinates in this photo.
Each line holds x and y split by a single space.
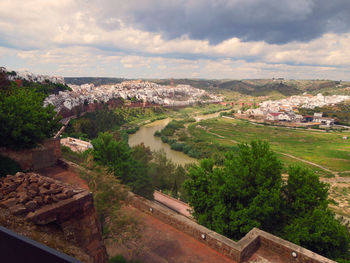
238 251
45 155
91 107
44 200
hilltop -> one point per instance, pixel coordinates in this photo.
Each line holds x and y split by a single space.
251 87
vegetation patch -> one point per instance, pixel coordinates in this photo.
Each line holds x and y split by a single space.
8 166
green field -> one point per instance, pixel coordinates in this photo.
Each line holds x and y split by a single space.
326 149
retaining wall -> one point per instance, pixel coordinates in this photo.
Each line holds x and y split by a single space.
238 251
45 155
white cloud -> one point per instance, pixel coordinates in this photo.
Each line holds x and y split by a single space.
66 36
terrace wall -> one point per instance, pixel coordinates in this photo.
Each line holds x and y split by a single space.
238 251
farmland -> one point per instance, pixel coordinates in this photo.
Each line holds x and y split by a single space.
328 150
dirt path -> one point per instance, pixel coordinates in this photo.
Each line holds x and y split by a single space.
308 162
285 154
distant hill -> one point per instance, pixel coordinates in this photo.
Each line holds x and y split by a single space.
95 80
197 83
251 87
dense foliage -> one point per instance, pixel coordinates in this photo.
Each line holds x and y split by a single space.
47 87
88 126
8 166
117 156
248 191
166 175
108 194
24 120
173 134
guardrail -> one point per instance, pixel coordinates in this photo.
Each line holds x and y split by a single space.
16 248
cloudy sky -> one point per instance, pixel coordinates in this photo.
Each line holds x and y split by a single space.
301 39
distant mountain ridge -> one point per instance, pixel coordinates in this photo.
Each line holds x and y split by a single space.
252 87
92 80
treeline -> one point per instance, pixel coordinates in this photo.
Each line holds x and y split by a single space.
142 170
175 135
88 126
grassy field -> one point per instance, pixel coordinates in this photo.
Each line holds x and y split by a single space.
326 149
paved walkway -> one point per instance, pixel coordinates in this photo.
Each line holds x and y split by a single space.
173 203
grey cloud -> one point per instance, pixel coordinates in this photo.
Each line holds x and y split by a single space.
273 21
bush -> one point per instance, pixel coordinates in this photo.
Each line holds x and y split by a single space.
8 166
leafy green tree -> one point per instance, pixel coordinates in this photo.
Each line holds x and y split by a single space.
142 153
161 171
304 191
248 192
108 194
114 154
319 231
25 122
309 221
243 194
117 156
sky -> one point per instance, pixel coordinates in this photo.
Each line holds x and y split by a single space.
212 39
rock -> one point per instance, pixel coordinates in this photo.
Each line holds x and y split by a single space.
68 193
34 186
23 197
62 196
12 195
39 200
9 188
33 180
46 185
48 199
20 174
31 205
18 209
8 203
22 186
54 198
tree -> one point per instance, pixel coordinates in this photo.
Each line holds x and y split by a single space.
243 194
248 192
25 122
113 154
304 191
309 221
108 194
319 231
161 171
117 156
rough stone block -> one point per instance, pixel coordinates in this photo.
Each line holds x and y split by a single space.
18 209
8 203
23 197
31 205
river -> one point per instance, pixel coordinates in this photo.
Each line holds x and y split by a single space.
146 135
